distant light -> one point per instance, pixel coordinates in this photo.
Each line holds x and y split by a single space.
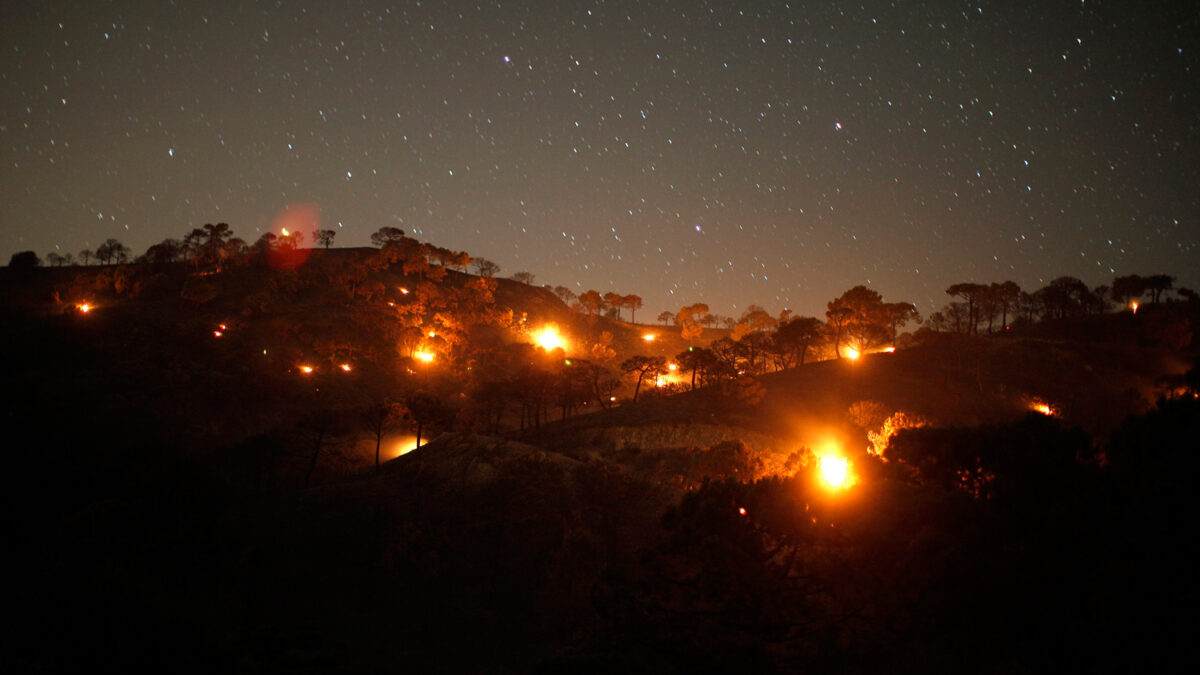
403 291
890 350
741 510
852 353
612 398
222 326
1133 305
306 369
345 367
217 333
672 367
83 307
649 337
432 334
285 232
427 357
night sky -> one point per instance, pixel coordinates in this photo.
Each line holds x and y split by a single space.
722 152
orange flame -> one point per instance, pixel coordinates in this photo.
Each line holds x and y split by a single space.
83 307
852 353
649 337
549 339
834 471
306 369
427 357
345 367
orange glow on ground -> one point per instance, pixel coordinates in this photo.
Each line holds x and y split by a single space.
83 307
851 353
889 350
549 339
834 471
649 337
427 357
306 369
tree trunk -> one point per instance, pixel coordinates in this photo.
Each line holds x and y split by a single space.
312 464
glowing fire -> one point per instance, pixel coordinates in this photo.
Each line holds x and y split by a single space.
649 337
345 367
1043 408
285 232
222 326
427 357
889 350
672 367
83 307
852 353
549 339
306 369
835 471
403 291
1133 305
432 334
741 510
217 333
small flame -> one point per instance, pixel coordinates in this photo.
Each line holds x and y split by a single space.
672 367
741 510
403 291
852 353
217 333
222 326
890 350
1133 305
427 357
306 369
432 334
1043 408
285 232
84 307
345 367
649 337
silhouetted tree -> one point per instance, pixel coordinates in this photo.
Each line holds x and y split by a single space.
485 267
564 294
523 277
1157 284
426 410
86 255
643 366
665 317
614 301
899 313
324 238
857 314
112 251
634 303
386 235
592 301
798 335
24 260
381 417
972 293
1128 288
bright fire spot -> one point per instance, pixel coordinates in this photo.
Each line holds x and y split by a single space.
217 333
890 350
432 334
672 367
835 471
1042 408
222 326
851 353
612 398
306 369
741 510
1133 306
427 357
345 367
285 232
549 339
403 291
649 337
83 307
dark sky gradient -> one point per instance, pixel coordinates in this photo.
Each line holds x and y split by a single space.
727 153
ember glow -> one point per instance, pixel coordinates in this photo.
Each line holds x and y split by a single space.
1043 408
217 333
427 357
649 337
549 339
1133 306
306 369
889 350
834 471
345 367
852 353
403 291
83 307
285 232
